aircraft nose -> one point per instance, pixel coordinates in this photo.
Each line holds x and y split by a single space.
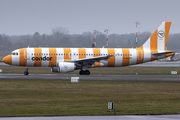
8 59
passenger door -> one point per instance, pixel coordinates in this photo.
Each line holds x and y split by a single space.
27 54
74 56
139 54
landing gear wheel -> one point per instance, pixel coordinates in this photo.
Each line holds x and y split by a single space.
87 72
82 72
26 73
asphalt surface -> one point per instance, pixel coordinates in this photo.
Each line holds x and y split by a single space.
126 117
3 64
134 78
148 64
160 64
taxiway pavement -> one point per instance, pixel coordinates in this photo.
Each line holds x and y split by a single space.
133 78
148 64
123 117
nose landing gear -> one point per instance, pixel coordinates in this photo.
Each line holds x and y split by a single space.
86 72
26 72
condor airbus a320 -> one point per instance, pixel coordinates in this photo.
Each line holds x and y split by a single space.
64 60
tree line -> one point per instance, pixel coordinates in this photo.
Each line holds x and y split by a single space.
60 37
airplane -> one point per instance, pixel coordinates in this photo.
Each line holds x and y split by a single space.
63 60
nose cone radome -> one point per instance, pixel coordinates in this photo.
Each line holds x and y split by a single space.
8 59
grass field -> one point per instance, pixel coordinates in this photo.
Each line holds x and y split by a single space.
132 70
49 98
57 98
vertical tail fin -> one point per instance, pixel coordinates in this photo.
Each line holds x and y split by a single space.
158 40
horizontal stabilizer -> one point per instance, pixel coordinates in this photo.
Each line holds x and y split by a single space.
161 54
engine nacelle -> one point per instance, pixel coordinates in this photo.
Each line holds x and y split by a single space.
64 67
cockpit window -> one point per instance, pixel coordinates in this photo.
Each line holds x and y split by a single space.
13 53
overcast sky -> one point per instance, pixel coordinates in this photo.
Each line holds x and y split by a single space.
20 17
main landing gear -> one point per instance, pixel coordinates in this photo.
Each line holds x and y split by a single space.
26 72
86 72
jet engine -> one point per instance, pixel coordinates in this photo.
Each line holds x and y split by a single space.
64 67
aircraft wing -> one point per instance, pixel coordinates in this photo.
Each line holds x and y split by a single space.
90 61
